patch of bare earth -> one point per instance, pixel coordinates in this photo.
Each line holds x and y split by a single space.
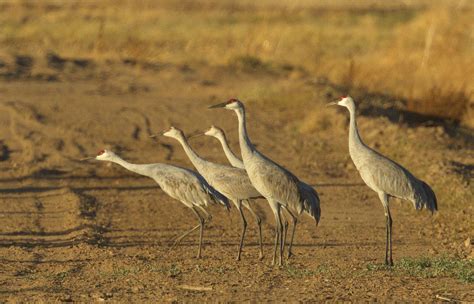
90 231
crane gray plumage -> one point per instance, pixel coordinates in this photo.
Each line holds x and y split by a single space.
182 184
232 182
385 176
310 199
309 195
279 186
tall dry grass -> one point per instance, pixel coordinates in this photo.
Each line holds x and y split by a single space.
430 63
419 50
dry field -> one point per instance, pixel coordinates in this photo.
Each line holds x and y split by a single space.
78 76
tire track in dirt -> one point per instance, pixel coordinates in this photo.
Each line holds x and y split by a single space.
38 215
32 267
89 207
35 221
25 273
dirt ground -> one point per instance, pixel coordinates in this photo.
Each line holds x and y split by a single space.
84 231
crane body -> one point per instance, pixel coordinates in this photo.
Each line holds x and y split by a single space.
385 176
182 184
279 186
232 182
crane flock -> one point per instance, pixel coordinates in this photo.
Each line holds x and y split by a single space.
256 176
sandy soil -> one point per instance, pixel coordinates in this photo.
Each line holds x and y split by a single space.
75 231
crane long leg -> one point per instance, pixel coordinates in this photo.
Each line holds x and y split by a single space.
295 221
388 226
244 228
201 230
390 237
179 239
259 224
278 228
387 238
208 216
388 242
277 236
285 228
282 243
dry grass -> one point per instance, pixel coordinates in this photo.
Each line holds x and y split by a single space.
420 50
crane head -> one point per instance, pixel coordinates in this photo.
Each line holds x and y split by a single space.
344 101
173 132
104 155
231 104
214 131
101 155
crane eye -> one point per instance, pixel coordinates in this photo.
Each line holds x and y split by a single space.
100 152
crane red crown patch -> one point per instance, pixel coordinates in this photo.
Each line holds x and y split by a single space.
344 96
100 152
232 100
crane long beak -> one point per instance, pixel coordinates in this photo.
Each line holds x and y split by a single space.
219 105
195 135
87 158
332 103
156 135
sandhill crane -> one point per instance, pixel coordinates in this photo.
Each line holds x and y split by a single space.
184 185
236 162
279 186
219 134
231 182
385 176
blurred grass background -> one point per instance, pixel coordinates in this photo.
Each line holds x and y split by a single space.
421 51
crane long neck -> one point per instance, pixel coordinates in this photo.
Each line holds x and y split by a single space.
197 161
355 142
246 146
140 169
233 159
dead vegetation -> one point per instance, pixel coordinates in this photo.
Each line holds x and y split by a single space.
420 51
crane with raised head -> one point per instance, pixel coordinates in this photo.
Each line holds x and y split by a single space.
231 182
385 176
279 186
219 134
182 184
